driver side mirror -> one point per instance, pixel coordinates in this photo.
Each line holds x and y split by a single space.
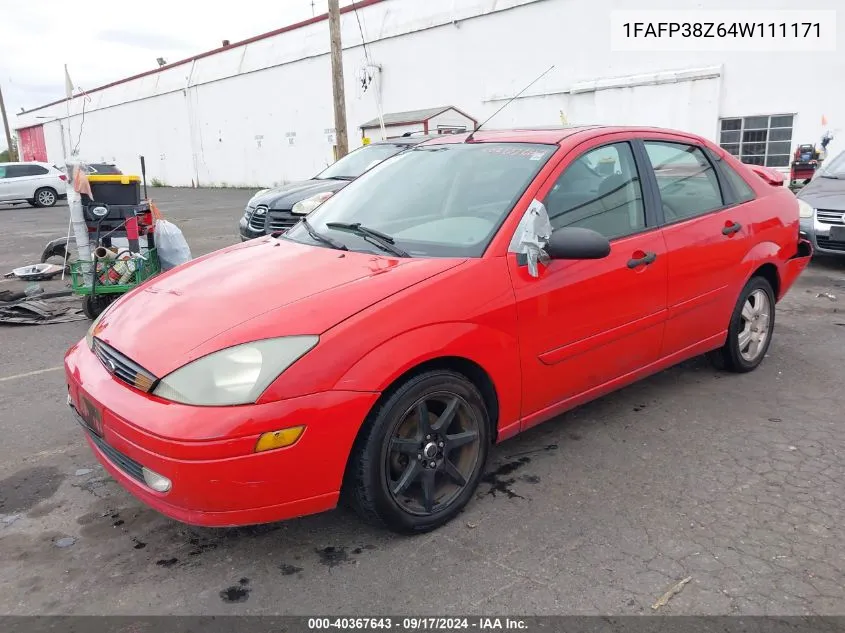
577 243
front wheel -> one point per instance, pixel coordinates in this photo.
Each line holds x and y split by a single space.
421 453
751 328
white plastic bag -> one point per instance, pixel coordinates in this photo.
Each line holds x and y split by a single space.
171 245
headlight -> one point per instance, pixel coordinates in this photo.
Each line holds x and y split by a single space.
235 375
304 207
805 210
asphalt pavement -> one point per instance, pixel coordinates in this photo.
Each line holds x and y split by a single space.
735 482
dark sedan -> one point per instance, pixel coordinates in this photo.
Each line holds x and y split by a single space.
822 207
279 208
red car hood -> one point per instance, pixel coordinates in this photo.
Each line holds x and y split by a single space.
259 289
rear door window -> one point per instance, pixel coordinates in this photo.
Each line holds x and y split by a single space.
688 184
21 171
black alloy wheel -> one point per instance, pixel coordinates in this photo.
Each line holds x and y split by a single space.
421 454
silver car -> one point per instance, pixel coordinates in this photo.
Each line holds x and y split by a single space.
822 208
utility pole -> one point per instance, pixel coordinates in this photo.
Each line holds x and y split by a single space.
341 141
12 153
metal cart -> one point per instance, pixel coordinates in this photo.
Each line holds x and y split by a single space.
122 228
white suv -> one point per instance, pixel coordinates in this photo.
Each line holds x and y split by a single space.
38 184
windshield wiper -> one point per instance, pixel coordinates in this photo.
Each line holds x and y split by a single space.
325 239
378 238
831 176
347 178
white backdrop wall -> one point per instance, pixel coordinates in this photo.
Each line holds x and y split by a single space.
261 113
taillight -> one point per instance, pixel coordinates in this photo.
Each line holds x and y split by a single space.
62 177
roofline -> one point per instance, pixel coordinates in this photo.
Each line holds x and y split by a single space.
359 4
375 122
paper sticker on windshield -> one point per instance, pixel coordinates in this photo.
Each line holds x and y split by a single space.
530 154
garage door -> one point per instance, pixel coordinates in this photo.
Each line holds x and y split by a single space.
33 147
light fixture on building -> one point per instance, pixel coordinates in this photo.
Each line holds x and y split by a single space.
161 61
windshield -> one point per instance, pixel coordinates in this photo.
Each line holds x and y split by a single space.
835 167
357 162
433 201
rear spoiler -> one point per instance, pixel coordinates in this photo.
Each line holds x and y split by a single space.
771 176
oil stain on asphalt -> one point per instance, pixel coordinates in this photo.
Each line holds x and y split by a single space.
497 478
236 593
332 556
289 570
167 562
29 487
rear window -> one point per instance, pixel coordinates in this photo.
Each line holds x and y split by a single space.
102 168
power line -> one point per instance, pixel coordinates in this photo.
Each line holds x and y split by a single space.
361 30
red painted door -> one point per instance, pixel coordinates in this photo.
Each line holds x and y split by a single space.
33 147
584 323
707 243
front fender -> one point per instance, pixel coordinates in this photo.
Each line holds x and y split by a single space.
495 351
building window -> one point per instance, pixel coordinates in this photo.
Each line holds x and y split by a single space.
759 140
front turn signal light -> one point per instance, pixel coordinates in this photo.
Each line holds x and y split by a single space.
278 439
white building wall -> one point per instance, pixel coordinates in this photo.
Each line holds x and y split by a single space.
229 118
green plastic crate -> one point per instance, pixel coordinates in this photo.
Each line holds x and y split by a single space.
148 268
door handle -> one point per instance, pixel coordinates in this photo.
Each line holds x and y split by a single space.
643 260
730 229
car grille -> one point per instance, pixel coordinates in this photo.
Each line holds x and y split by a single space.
829 244
258 219
825 216
121 461
122 368
282 221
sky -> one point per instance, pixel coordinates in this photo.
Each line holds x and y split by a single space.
116 40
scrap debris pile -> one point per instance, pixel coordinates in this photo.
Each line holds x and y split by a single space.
121 241
29 311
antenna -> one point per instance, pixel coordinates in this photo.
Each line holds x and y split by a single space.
511 100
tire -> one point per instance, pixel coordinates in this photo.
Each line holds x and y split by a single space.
388 457
93 305
746 355
31 202
45 197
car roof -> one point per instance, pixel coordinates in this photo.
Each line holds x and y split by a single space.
549 134
28 162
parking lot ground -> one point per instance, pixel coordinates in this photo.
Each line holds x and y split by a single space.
734 481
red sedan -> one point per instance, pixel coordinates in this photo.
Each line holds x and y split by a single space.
455 295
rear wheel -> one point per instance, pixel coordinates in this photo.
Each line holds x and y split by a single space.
421 453
45 197
751 328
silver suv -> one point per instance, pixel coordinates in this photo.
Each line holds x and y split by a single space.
37 184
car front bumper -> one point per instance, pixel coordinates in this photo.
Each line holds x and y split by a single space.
818 234
217 478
